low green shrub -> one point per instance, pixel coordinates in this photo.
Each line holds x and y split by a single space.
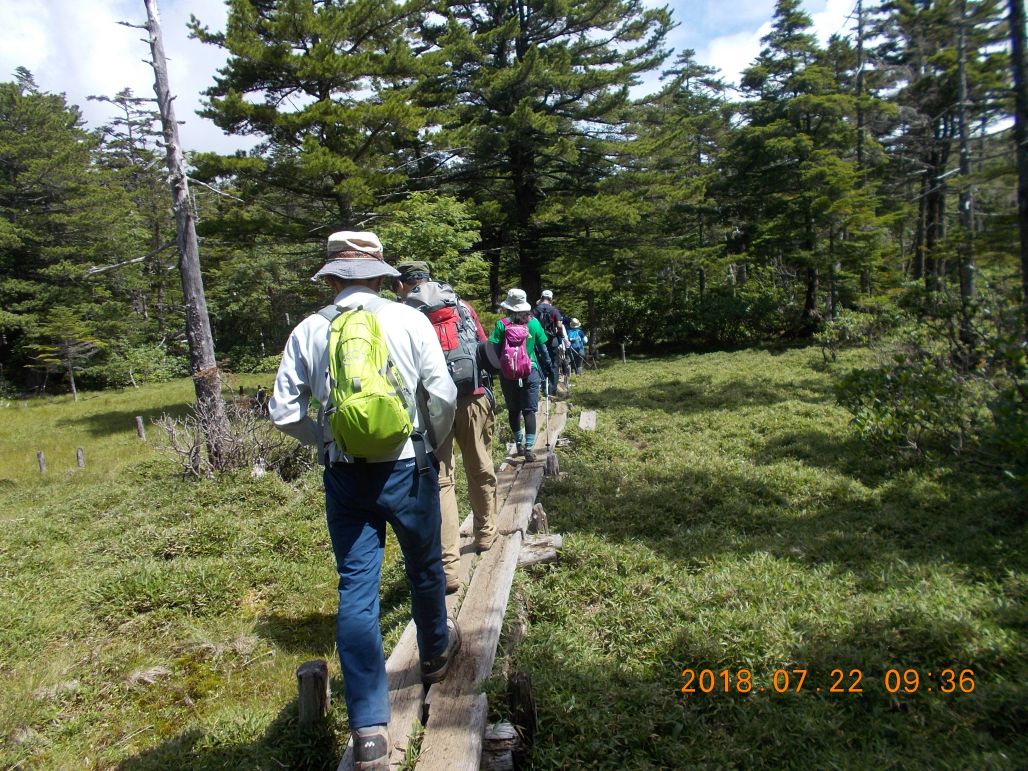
941 389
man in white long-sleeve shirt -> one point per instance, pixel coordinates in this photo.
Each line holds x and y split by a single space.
362 494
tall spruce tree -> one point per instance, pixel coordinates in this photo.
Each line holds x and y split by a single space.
659 231
535 91
793 187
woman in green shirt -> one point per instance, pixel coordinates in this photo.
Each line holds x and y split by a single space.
522 394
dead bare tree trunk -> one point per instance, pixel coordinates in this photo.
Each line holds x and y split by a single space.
206 378
966 203
1019 65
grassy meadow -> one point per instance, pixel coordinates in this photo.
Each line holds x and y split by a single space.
723 516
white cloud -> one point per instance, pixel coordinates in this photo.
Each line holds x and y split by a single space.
735 52
79 49
832 19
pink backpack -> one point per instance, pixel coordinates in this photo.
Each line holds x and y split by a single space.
515 362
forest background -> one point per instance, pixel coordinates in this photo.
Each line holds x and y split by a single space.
862 190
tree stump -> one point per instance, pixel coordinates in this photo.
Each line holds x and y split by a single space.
314 691
80 457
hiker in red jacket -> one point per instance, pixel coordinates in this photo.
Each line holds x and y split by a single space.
459 332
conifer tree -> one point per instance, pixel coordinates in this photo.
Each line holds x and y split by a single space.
59 214
535 92
325 86
793 186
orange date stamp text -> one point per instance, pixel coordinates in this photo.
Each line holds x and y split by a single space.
945 680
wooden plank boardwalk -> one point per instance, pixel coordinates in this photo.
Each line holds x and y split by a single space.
456 708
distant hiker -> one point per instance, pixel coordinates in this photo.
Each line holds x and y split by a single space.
460 333
521 345
363 359
578 339
552 321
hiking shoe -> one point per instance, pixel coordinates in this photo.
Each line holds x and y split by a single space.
529 456
482 543
519 450
435 669
452 584
371 748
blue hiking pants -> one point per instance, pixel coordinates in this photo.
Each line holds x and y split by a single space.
359 500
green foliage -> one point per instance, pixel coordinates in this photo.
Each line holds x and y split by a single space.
933 395
848 329
914 402
728 316
254 364
137 365
441 231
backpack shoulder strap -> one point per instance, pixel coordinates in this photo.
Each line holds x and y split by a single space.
375 304
330 312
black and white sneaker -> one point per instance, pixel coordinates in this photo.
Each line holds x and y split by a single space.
371 748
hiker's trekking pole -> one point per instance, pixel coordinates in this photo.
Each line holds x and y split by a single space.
547 428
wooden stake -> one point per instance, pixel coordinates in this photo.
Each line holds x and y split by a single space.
523 713
314 691
539 521
623 359
42 461
499 744
80 457
140 428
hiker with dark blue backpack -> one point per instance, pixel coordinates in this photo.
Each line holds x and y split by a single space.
552 321
385 399
520 344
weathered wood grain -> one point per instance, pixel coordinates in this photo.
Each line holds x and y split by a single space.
587 420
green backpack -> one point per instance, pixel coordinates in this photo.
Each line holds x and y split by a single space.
371 414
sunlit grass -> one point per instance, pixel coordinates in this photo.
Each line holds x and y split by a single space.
722 516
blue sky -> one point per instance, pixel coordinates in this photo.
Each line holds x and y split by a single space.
77 47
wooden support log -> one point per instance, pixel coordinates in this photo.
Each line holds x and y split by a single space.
80 457
41 460
140 429
543 540
540 549
314 691
529 557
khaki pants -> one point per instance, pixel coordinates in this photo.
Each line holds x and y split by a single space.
473 429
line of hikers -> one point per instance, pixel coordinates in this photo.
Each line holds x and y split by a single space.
395 384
